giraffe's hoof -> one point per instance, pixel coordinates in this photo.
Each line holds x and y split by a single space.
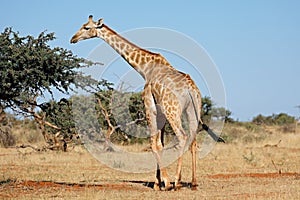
156 187
167 187
178 187
194 187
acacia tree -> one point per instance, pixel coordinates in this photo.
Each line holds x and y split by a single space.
30 68
209 110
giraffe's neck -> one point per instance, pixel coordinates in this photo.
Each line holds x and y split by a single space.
140 59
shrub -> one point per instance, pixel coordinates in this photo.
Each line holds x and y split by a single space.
6 138
274 119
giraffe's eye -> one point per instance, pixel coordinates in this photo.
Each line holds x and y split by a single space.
86 28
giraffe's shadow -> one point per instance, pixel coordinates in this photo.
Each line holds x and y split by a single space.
150 184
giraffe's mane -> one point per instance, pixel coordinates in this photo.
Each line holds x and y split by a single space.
127 41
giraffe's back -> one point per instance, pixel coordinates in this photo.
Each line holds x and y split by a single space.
174 88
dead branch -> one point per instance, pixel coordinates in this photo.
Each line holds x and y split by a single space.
111 129
44 148
130 123
41 119
23 146
273 145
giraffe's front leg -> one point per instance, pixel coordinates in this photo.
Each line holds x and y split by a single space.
156 143
157 153
175 122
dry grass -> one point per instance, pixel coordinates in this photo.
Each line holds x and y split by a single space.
25 132
242 169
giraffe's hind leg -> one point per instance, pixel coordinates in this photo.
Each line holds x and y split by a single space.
156 143
193 128
193 148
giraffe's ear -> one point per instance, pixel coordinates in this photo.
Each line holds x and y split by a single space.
100 22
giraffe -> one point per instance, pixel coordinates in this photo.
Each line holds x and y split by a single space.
167 92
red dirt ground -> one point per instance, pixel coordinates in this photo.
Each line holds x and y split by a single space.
255 175
23 187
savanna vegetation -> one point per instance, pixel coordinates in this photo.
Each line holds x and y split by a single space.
31 68
42 155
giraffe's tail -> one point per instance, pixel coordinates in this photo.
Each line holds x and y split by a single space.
212 134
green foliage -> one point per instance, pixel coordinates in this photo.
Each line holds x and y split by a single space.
79 110
208 111
124 110
222 113
60 114
136 106
274 119
207 106
29 67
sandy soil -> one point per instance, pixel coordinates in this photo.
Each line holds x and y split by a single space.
230 171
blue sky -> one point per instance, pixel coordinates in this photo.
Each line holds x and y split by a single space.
255 44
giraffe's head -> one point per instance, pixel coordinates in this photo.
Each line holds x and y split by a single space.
88 30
